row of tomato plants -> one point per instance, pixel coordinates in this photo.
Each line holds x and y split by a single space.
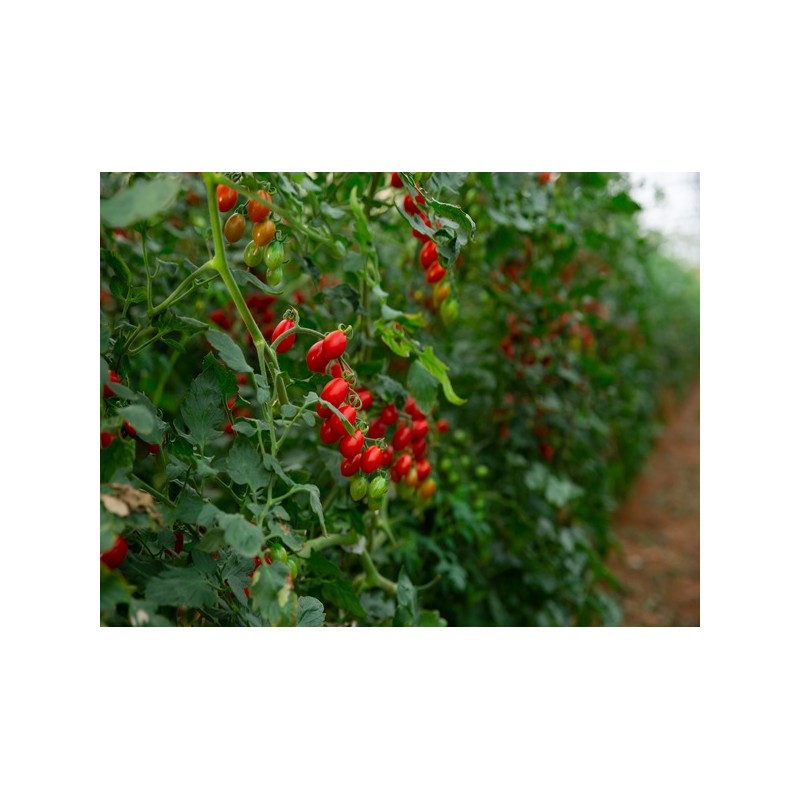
396 398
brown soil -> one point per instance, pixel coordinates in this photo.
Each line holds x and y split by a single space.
659 528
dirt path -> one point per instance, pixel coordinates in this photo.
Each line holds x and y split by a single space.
659 528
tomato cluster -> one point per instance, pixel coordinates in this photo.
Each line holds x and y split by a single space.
264 246
435 273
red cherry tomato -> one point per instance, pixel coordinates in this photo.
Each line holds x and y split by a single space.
327 433
377 429
389 414
402 437
419 429
388 455
547 451
226 198
115 554
423 470
366 399
324 411
443 426
350 466
350 446
428 254
408 205
315 358
155 449
402 465
336 369
255 210
349 413
220 318
371 459
412 409
112 378
544 177
397 181
419 448
335 392
435 273
106 439
281 327
334 344
129 429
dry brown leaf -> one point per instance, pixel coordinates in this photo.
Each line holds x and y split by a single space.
126 500
114 505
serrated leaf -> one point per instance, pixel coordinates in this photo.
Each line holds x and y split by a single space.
245 466
202 409
321 567
311 613
180 586
139 202
228 350
244 537
225 378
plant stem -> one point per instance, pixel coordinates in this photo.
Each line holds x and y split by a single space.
323 542
374 578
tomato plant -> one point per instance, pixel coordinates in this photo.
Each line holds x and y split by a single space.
472 390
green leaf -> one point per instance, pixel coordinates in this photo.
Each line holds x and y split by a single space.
211 542
228 350
438 369
119 267
244 537
143 200
245 466
394 338
341 593
180 586
431 619
311 613
269 591
624 204
140 417
225 377
407 609
113 589
321 567
202 409
116 460
422 386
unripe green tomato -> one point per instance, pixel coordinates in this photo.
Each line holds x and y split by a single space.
358 488
445 464
471 196
274 256
275 276
406 492
460 436
253 254
449 311
374 503
294 567
378 487
279 553
482 471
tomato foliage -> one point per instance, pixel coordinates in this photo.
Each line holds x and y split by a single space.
418 408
